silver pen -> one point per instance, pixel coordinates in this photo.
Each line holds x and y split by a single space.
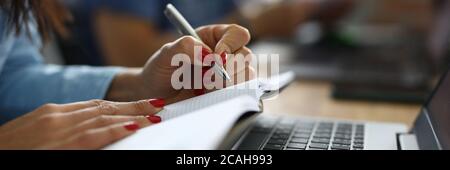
185 28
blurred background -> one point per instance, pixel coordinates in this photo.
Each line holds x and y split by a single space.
388 51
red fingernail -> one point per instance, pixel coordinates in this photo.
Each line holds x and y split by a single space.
199 92
153 118
223 56
132 126
157 102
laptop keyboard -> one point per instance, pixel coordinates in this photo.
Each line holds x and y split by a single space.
292 134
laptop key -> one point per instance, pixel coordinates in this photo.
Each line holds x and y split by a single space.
277 141
280 136
296 145
340 147
344 132
316 149
344 142
322 135
253 141
318 145
301 135
299 140
303 130
358 146
341 136
360 137
321 140
358 141
273 147
294 149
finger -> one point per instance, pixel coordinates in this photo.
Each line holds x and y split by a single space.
239 60
70 107
101 137
142 107
224 38
195 49
106 120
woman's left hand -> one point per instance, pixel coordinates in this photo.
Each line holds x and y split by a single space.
82 125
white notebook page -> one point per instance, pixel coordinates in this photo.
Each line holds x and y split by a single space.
196 103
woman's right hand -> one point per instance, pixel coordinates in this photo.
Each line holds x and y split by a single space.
82 125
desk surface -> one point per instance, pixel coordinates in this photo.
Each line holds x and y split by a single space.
313 99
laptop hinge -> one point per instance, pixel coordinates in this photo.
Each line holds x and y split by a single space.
407 141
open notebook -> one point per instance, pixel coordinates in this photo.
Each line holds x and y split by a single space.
196 103
204 129
257 89
202 122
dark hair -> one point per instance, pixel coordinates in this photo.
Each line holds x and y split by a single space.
48 14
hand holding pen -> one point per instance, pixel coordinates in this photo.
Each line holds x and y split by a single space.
157 73
222 47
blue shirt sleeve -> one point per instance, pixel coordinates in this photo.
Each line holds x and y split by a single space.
27 83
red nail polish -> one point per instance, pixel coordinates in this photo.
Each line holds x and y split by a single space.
153 118
132 126
157 102
199 92
224 56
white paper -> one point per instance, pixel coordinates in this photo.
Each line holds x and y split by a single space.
187 106
254 88
201 130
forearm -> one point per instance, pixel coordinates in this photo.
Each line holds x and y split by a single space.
24 89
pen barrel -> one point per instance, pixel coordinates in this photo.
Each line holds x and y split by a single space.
183 27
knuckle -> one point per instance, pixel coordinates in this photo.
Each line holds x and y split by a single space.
50 107
106 107
167 46
140 106
186 41
97 102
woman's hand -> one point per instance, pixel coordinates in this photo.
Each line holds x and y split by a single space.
154 80
83 125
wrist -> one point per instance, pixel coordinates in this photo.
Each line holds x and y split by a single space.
127 86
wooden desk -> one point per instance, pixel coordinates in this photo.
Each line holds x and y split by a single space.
306 98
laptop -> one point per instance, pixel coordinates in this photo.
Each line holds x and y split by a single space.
390 71
430 131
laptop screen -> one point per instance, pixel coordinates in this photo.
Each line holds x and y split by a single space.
439 112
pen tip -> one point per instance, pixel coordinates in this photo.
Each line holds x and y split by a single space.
227 76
